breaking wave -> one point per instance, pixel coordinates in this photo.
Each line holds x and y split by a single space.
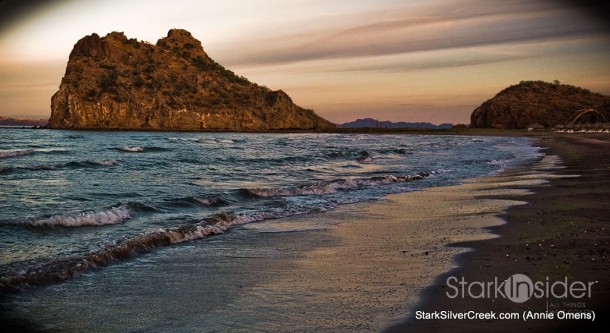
211 201
111 216
136 149
139 149
15 153
334 186
248 177
197 201
58 270
205 140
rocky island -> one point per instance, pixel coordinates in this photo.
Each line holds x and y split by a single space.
113 82
543 103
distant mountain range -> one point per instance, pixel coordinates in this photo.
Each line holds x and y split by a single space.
4 121
373 123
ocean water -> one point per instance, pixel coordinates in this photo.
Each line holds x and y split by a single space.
86 204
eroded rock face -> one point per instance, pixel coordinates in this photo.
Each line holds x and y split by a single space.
548 104
113 82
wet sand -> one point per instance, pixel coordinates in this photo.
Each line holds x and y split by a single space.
379 256
358 268
362 267
389 251
561 232
382 255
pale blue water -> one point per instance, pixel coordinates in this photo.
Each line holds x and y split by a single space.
75 203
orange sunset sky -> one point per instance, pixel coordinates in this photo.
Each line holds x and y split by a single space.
408 60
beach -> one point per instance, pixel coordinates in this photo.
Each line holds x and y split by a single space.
472 230
561 232
358 268
362 267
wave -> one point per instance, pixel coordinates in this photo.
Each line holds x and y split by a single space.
15 153
364 156
42 167
135 149
89 164
399 151
67 165
111 216
139 149
197 201
142 207
27 274
206 140
333 186
58 151
211 201
349 155
18 277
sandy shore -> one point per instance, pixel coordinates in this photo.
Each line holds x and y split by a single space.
388 251
383 254
362 267
561 232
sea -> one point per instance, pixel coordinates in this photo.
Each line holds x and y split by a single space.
80 206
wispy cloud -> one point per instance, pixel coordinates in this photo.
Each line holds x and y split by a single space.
443 26
343 58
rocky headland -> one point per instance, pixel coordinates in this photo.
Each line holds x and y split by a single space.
113 82
537 102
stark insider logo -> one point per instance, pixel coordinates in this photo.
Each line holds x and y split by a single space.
518 288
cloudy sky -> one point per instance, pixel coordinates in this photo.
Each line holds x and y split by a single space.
410 60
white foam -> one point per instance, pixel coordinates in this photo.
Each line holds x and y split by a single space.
208 201
203 201
103 162
334 186
199 231
223 223
112 216
136 149
15 153
501 162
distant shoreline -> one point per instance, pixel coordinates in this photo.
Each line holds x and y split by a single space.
364 130
380 131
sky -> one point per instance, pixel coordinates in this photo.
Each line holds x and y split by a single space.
398 60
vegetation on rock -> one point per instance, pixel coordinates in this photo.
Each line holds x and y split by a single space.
113 82
548 104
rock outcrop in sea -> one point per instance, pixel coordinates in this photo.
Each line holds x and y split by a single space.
113 82
538 102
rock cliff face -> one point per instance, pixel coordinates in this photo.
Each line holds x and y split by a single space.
113 82
548 104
